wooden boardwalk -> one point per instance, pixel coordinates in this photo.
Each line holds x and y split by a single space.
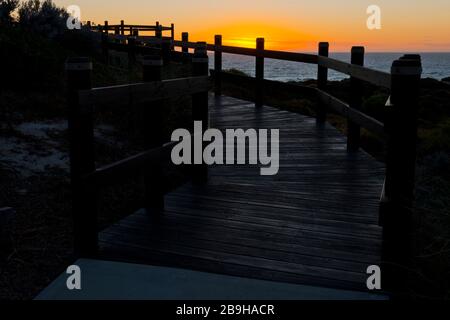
315 223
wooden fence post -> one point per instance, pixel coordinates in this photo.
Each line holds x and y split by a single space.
152 68
106 28
89 25
184 47
122 27
259 72
200 110
82 162
166 45
401 127
131 52
356 88
104 46
135 32
6 224
116 30
153 137
172 35
322 79
185 39
218 65
158 31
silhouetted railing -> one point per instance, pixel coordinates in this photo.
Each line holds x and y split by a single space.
84 102
131 29
399 129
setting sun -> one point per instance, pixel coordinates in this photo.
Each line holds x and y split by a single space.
289 25
278 36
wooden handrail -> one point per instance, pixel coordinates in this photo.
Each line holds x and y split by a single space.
375 77
135 27
270 54
142 92
291 56
85 178
354 115
402 107
127 168
339 106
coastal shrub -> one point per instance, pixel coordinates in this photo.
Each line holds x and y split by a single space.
7 7
30 61
237 72
44 17
436 138
374 105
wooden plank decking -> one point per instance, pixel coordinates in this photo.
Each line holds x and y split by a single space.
315 223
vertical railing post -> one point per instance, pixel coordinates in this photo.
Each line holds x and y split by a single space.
322 79
200 110
259 72
122 27
104 46
152 68
356 94
184 48
82 161
185 40
116 30
131 52
218 65
401 127
135 32
153 127
158 31
89 25
166 44
106 28
172 34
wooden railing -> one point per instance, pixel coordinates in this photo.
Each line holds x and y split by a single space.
129 39
131 29
84 102
399 129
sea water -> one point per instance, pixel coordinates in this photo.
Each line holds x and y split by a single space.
435 65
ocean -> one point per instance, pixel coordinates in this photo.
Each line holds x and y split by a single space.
435 65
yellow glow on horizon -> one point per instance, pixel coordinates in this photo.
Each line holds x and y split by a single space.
289 25
243 33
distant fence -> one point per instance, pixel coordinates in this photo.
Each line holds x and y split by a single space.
399 129
131 29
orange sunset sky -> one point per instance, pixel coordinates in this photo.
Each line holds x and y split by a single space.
296 25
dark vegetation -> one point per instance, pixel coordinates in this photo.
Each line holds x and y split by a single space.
33 47
34 44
